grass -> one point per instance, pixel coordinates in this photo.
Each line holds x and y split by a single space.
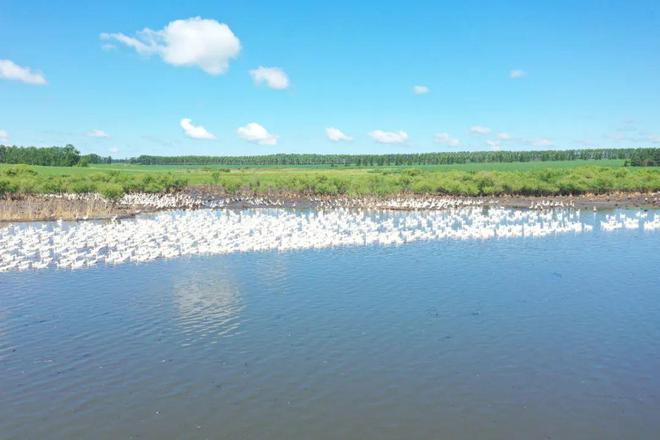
523 178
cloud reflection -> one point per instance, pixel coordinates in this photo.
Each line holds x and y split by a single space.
208 301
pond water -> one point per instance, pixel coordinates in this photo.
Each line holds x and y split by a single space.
551 335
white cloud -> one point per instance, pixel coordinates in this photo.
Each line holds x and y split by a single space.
517 73
336 135
4 136
494 145
421 90
478 129
12 71
633 136
114 150
256 133
274 77
543 142
504 136
389 137
195 131
620 136
584 142
196 41
446 139
98 134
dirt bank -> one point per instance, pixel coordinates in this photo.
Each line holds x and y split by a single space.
37 208
92 206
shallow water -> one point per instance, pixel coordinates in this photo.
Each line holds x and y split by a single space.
551 336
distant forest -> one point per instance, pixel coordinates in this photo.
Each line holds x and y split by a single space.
50 156
636 157
70 156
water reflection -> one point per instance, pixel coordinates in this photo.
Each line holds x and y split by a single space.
272 270
208 302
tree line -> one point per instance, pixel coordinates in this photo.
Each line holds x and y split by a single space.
50 156
644 157
66 156
70 156
633 156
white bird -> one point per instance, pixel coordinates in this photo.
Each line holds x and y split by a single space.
341 222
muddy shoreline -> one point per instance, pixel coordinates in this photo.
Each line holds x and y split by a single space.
92 206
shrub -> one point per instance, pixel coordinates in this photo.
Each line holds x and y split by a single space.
81 187
230 185
215 176
20 170
111 191
7 187
51 186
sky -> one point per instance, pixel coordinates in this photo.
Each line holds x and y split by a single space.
125 78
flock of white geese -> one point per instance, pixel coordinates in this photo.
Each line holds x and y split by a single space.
188 201
160 201
171 234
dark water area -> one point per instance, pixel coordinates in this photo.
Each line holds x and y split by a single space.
551 337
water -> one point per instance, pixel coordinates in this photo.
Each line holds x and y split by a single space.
554 336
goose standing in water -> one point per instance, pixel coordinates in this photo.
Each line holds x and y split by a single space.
75 245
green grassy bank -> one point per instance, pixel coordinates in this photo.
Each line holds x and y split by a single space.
520 178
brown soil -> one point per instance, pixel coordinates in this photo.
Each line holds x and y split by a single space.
41 208
38 208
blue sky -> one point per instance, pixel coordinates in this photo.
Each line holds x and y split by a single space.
500 75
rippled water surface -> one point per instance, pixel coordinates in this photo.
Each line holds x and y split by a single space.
547 336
